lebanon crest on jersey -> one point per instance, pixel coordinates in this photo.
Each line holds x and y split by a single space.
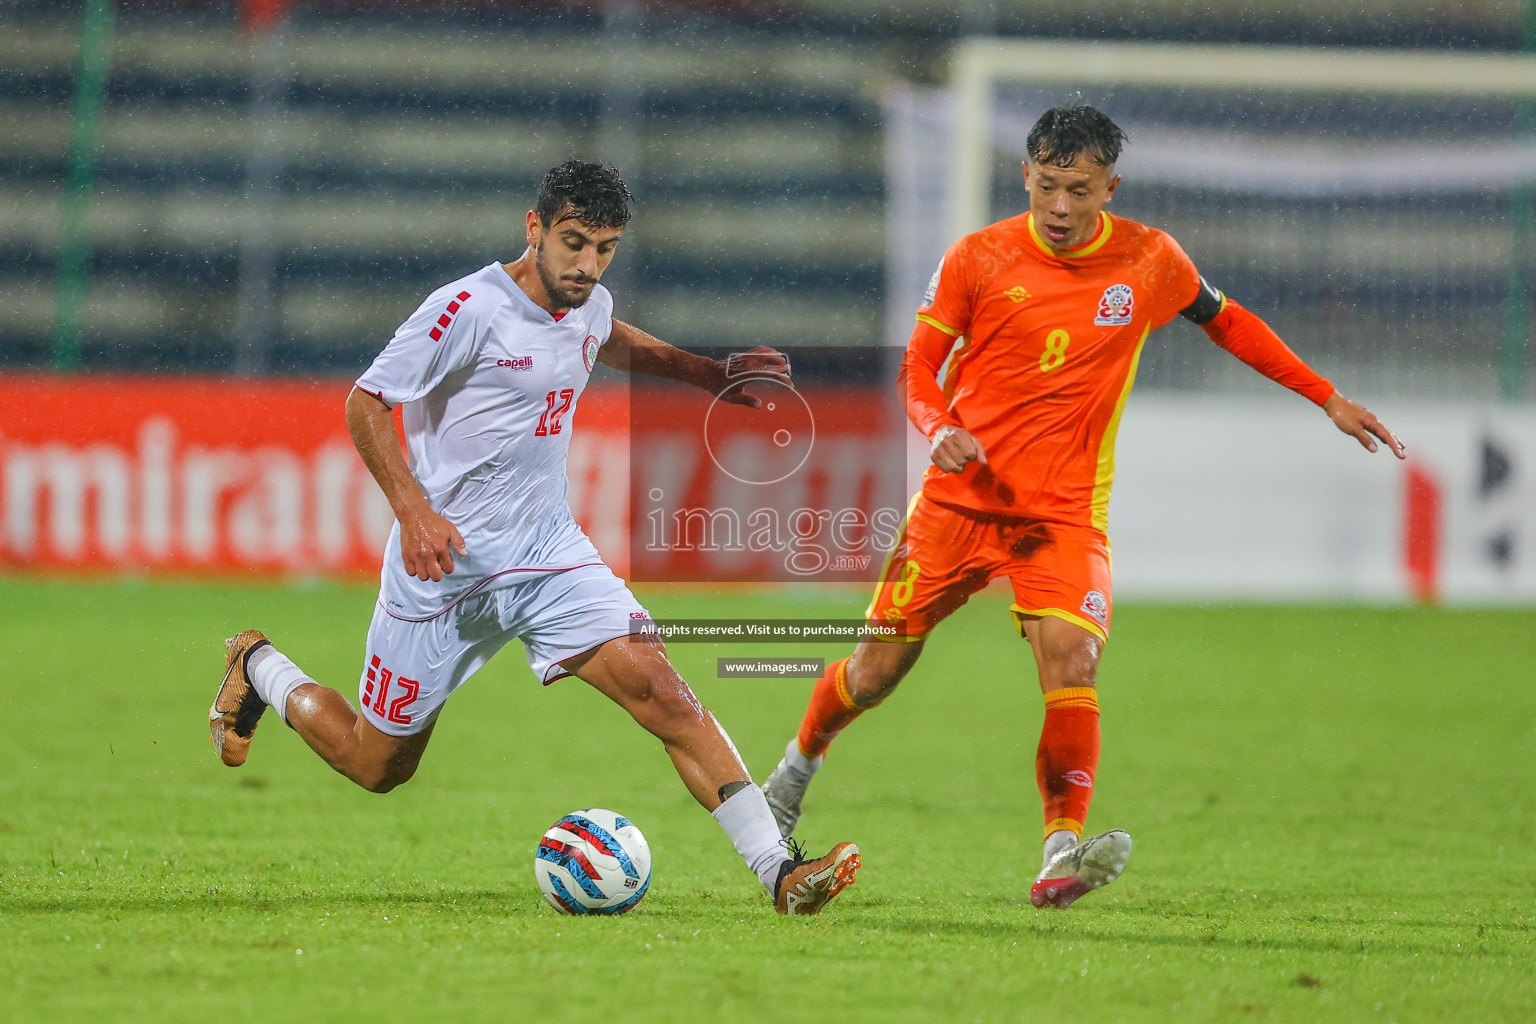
589 352
1115 306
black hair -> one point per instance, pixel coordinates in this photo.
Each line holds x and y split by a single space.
1064 133
595 193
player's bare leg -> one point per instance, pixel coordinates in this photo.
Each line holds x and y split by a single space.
256 675
349 743
876 667
1067 660
637 676
846 690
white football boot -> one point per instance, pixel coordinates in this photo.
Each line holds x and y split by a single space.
785 787
1078 870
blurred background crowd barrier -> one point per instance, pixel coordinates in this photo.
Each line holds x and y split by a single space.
214 205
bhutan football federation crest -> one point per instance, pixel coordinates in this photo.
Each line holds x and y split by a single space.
1096 607
1115 306
589 352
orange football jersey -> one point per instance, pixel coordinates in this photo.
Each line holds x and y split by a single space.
1048 346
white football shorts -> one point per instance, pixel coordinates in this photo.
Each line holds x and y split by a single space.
412 666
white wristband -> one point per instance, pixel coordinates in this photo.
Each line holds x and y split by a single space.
939 436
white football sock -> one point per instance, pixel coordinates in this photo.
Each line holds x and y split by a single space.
798 762
1057 841
751 828
274 677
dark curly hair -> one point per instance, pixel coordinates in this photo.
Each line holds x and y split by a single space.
1064 133
595 192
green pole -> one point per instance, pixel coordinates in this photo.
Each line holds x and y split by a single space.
1514 353
75 240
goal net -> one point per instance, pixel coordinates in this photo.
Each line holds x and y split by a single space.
1374 206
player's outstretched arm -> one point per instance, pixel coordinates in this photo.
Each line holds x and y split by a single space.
635 351
427 540
1360 423
1247 336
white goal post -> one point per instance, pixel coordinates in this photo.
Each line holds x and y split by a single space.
980 64
1375 207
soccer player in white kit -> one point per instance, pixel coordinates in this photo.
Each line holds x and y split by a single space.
489 370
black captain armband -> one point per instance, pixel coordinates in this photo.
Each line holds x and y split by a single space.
1206 305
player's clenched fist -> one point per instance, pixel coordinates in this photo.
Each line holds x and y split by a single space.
953 447
427 544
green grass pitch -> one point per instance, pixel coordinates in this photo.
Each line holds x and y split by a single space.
1334 812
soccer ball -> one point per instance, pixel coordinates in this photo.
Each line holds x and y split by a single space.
593 862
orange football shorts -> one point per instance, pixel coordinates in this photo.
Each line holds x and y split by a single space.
943 555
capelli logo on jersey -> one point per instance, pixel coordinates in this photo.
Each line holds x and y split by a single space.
1018 293
1078 777
1115 306
516 363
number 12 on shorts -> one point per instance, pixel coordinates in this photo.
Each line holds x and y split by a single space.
556 405
390 710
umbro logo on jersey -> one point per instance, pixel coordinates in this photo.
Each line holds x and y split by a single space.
447 318
1115 305
589 352
517 363
1096 607
1018 293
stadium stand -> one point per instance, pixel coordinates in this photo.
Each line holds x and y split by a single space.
406 156
410 136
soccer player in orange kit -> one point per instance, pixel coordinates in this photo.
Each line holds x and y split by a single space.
1042 317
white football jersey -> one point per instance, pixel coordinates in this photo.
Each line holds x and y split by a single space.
490 382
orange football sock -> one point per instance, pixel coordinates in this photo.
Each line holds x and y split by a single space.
829 712
1068 757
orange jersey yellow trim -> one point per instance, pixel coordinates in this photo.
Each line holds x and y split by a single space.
1106 228
931 322
1105 478
1051 345
1021 613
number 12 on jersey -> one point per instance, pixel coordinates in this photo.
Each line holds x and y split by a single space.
556 405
